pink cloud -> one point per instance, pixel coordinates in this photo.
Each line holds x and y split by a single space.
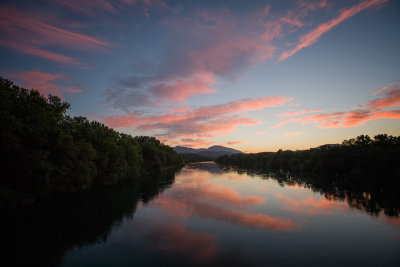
28 33
203 122
34 51
343 119
293 17
94 7
390 99
220 46
383 89
314 35
179 90
261 132
46 83
373 110
196 204
293 134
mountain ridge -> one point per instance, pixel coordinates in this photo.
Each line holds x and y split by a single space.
213 152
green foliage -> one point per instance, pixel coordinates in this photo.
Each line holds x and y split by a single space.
46 152
157 157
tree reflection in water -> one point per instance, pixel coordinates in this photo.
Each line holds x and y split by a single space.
40 235
371 197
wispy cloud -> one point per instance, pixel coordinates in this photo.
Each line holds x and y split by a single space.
95 7
294 17
383 89
203 122
29 33
373 110
293 134
203 47
314 35
390 99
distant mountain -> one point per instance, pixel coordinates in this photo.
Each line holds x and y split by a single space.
187 150
210 153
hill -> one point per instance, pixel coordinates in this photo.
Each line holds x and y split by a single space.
210 153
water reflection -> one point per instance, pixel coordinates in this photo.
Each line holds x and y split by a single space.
197 196
206 216
358 193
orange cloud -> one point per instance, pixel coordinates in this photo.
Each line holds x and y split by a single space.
28 33
390 99
293 134
314 35
373 110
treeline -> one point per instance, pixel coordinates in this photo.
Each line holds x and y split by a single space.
359 156
45 152
191 158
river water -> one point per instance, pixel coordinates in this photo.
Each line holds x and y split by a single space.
206 216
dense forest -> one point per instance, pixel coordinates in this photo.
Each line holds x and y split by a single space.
364 172
355 157
45 152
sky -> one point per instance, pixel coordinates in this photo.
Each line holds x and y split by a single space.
251 75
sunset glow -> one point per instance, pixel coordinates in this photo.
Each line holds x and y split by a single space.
255 76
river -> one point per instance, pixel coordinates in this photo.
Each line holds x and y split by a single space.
205 215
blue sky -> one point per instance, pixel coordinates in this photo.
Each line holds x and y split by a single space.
256 76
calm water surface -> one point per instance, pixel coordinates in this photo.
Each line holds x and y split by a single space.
206 216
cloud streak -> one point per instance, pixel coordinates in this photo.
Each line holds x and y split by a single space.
29 33
203 122
313 36
293 134
373 110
